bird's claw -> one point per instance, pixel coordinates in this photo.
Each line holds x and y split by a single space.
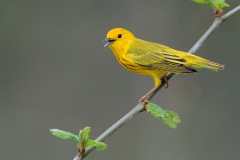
145 103
164 78
143 99
166 85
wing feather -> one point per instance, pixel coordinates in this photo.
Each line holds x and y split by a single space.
154 56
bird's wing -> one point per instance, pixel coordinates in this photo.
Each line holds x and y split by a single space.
156 57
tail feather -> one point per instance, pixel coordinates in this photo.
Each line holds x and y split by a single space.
209 65
198 62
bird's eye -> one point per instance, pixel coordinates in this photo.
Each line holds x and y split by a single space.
120 36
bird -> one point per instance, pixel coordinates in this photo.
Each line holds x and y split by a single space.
153 59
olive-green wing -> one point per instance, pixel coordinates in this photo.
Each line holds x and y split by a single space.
156 57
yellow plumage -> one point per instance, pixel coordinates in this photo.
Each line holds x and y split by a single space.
152 59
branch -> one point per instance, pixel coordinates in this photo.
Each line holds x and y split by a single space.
140 106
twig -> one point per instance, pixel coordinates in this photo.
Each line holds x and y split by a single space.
78 157
230 13
140 106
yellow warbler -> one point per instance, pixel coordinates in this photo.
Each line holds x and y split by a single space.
152 59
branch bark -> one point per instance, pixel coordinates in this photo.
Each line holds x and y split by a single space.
140 106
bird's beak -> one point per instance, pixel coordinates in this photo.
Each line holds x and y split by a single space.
109 41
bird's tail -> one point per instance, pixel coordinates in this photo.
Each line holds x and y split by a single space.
204 63
199 62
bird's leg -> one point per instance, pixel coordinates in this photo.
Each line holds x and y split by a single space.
164 78
144 98
157 84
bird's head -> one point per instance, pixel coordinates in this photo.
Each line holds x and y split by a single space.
118 38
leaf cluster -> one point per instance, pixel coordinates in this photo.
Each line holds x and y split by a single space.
82 139
215 4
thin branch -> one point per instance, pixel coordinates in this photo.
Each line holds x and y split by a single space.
78 158
230 13
140 106
117 125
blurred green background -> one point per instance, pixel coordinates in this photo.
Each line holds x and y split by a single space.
55 73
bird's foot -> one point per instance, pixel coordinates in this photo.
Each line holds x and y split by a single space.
145 103
143 99
164 78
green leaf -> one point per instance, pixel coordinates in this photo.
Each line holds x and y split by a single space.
90 143
170 118
85 133
207 2
155 110
215 4
64 135
99 145
222 4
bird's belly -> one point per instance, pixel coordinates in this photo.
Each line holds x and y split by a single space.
151 72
